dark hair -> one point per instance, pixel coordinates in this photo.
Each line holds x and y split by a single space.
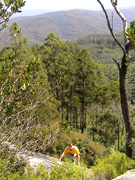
70 144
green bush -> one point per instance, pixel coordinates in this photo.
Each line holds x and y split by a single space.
10 166
92 152
13 169
7 173
40 174
112 166
67 171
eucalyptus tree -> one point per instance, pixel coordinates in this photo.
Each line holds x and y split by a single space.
26 102
85 83
123 65
7 9
59 63
106 95
106 123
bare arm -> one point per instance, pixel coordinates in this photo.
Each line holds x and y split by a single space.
78 159
61 156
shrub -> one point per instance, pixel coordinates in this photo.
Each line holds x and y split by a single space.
92 152
12 169
40 174
67 171
6 173
112 166
10 166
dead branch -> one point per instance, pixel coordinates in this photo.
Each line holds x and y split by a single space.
114 4
118 65
109 25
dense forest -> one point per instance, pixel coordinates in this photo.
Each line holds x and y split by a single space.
61 92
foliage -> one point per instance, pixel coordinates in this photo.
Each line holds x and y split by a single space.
41 173
112 166
17 174
53 87
62 172
10 166
15 32
110 71
106 168
7 9
89 150
67 171
85 83
131 83
131 33
92 152
25 97
107 127
63 139
107 93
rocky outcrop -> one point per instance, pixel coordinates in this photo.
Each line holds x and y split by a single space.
130 175
36 159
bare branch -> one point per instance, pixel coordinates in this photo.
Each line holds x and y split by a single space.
122 18
109 25
115 60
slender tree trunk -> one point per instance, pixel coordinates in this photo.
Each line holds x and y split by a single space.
67 115
118 126
62 105
70 116
85 117
82 118
93 127
76 118
122 134
125 107
83 109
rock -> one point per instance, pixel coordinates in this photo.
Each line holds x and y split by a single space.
34 159
130 175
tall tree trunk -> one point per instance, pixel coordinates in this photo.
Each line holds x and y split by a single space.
125 107
123 67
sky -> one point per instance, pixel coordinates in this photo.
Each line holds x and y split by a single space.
73 4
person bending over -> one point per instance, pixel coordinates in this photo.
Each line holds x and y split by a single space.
73 150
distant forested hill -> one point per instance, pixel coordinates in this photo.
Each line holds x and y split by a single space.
68 25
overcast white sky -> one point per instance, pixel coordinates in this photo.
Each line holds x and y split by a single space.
73 4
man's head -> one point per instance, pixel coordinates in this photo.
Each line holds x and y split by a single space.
70 145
